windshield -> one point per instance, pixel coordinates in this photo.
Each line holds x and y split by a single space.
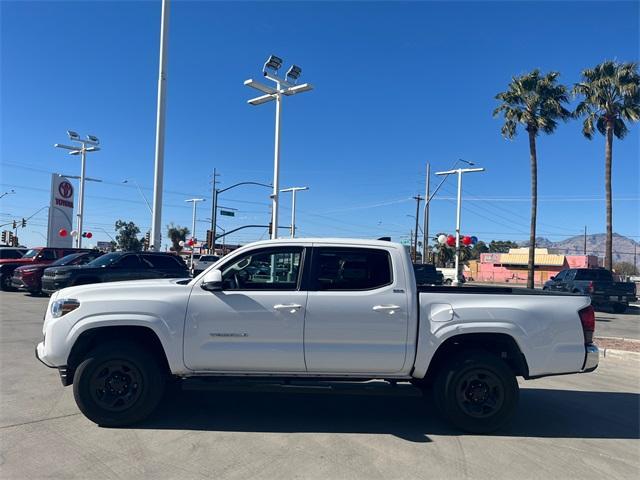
208 258
66 260
105 260
31 253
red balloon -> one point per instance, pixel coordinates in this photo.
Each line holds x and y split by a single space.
89 234
62 232
466 240
451 240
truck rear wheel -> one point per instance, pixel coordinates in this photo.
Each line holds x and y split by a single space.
5 283
118 384
619 307
476 391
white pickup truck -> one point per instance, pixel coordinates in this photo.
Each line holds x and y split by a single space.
313 309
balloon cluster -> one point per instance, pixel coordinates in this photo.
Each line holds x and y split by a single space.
74 233
450 240
189 243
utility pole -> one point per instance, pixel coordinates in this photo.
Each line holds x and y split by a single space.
214 209
585 240
425 229
459 172
635 253
158 175
418 199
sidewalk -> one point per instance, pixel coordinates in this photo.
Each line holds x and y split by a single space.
622 348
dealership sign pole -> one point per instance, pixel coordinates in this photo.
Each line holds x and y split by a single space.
60 212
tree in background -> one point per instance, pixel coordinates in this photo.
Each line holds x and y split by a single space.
501 246
478 249
610 95
127 236
176 234
536 102
625 268
443 254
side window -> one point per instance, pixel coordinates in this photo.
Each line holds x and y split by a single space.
560 276
570 275
129 261
268 269
165 262
350 269
47 255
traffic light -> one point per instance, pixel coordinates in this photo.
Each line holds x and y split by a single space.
270 228
24 223
13 240
4 237
147 240
210 243
15 225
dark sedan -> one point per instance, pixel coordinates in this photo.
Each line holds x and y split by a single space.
114 267
426 274
29 277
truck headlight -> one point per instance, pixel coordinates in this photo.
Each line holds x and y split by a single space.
63 306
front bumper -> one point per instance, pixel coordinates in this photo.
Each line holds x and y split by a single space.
16 282
49 285
66 377
591 358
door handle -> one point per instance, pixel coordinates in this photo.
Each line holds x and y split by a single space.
386 308
292 307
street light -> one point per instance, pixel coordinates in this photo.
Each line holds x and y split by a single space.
293 191
93 141
194 201
9 192
459 172
284 86
126 180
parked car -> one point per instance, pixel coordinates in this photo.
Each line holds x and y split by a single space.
449 275
204 262
598 283
12 252
41 255
426 274
29 277
329 310
113 267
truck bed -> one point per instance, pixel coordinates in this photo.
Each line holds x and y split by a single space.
487 289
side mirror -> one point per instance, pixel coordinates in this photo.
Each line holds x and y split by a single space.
212 281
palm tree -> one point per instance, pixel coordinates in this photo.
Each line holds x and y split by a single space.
176 233
610 97
536 102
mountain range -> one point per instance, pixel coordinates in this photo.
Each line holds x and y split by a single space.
623 247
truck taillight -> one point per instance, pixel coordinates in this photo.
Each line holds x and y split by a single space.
588 321
590 288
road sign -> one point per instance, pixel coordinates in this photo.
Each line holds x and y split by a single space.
227 213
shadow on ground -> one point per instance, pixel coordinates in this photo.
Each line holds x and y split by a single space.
542 413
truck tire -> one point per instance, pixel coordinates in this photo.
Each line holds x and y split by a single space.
5 283
476 391
118 384
618 307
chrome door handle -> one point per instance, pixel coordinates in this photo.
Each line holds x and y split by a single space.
292 307
386 308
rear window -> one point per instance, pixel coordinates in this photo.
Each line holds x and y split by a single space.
10 253
209 258
350 269
597 275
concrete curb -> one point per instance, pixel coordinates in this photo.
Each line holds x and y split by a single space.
619 354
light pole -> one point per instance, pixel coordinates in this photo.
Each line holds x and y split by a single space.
158 172
293 191
459 172
126 180
194 201
9 192
216 193
82 151
284 86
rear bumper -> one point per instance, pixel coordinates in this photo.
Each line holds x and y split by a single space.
591 358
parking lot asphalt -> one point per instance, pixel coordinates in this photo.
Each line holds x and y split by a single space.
575 426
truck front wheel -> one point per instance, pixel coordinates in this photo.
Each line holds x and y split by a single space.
118 384
476 391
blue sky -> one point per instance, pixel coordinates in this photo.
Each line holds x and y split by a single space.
396 85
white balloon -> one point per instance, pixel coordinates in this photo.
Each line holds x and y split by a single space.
74 233
442 239
181 243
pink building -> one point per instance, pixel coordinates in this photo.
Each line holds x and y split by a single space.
512 267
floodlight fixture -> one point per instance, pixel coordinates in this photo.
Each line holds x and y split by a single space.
294 73
75 152
60 145
261 99
92 149
303 87
93 139
273 63
73 135
260 86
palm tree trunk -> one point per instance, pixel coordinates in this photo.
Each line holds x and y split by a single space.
608 251
534 208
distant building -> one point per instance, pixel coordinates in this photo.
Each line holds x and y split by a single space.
512 267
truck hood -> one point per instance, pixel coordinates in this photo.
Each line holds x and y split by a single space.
128 290
16 261
31 266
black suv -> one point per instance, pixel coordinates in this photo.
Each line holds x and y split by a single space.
426 274
115 267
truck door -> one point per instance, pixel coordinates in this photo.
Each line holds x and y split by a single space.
357 312
256 322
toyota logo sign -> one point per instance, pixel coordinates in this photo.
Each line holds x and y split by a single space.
65 189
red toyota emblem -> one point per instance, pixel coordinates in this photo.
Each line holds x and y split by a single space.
65 189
